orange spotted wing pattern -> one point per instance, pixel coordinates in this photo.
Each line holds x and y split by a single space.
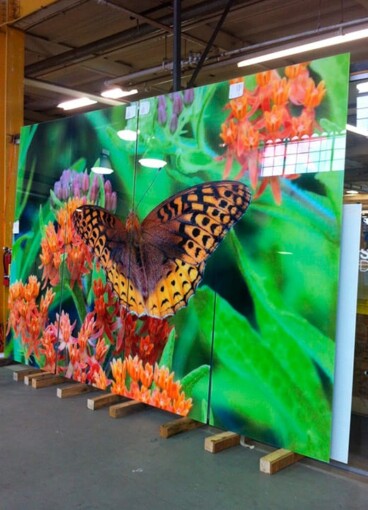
155 266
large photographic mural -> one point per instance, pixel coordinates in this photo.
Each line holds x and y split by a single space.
207 284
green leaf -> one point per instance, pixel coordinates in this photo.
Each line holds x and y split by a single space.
194 377
168 352
78 298
293 339
251 384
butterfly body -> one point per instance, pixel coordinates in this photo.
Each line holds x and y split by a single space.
155 266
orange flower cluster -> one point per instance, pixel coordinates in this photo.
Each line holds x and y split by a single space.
28 318
62 243
84 354
145 339
106 308
150 385
278 108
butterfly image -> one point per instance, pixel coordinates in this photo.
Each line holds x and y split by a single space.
155 266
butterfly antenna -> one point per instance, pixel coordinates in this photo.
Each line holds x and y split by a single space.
148 188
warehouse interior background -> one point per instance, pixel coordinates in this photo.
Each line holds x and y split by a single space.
77 48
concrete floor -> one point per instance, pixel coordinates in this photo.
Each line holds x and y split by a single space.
56 454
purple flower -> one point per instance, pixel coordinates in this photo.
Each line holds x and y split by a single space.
173 123
177 103
57 189
188 96
85 182
94 189
108 187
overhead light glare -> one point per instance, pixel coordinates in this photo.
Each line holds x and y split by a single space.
152 162
357 130
76 103
302 48
117 93
103 164
129 135
351 192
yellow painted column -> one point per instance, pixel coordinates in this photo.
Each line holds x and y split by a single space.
11 120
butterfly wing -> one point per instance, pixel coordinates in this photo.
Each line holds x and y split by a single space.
107 236
186 229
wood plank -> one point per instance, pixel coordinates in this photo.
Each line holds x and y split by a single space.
44 382
73 389
222 441
180 425
104 400
277 460
125 408
19 375
39 375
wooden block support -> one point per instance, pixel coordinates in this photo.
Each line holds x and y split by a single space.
277 460
38 375
19 375
103 401
73 389
222 441
176 426
125 408
44 382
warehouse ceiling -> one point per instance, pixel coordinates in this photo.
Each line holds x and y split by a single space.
86 46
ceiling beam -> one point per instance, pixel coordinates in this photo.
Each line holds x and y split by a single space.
91 50
364 3
28 82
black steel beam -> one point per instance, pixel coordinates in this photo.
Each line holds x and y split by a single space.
201 61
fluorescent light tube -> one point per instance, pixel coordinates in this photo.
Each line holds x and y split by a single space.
76 103
315 45
117 92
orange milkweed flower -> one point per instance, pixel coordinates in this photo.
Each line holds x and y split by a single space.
313 94
154 386
133 367
100 380
274 121
146 375
239 107
27 318
296 70
302 125
101 350
248 138
264 78
280 91
229 132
